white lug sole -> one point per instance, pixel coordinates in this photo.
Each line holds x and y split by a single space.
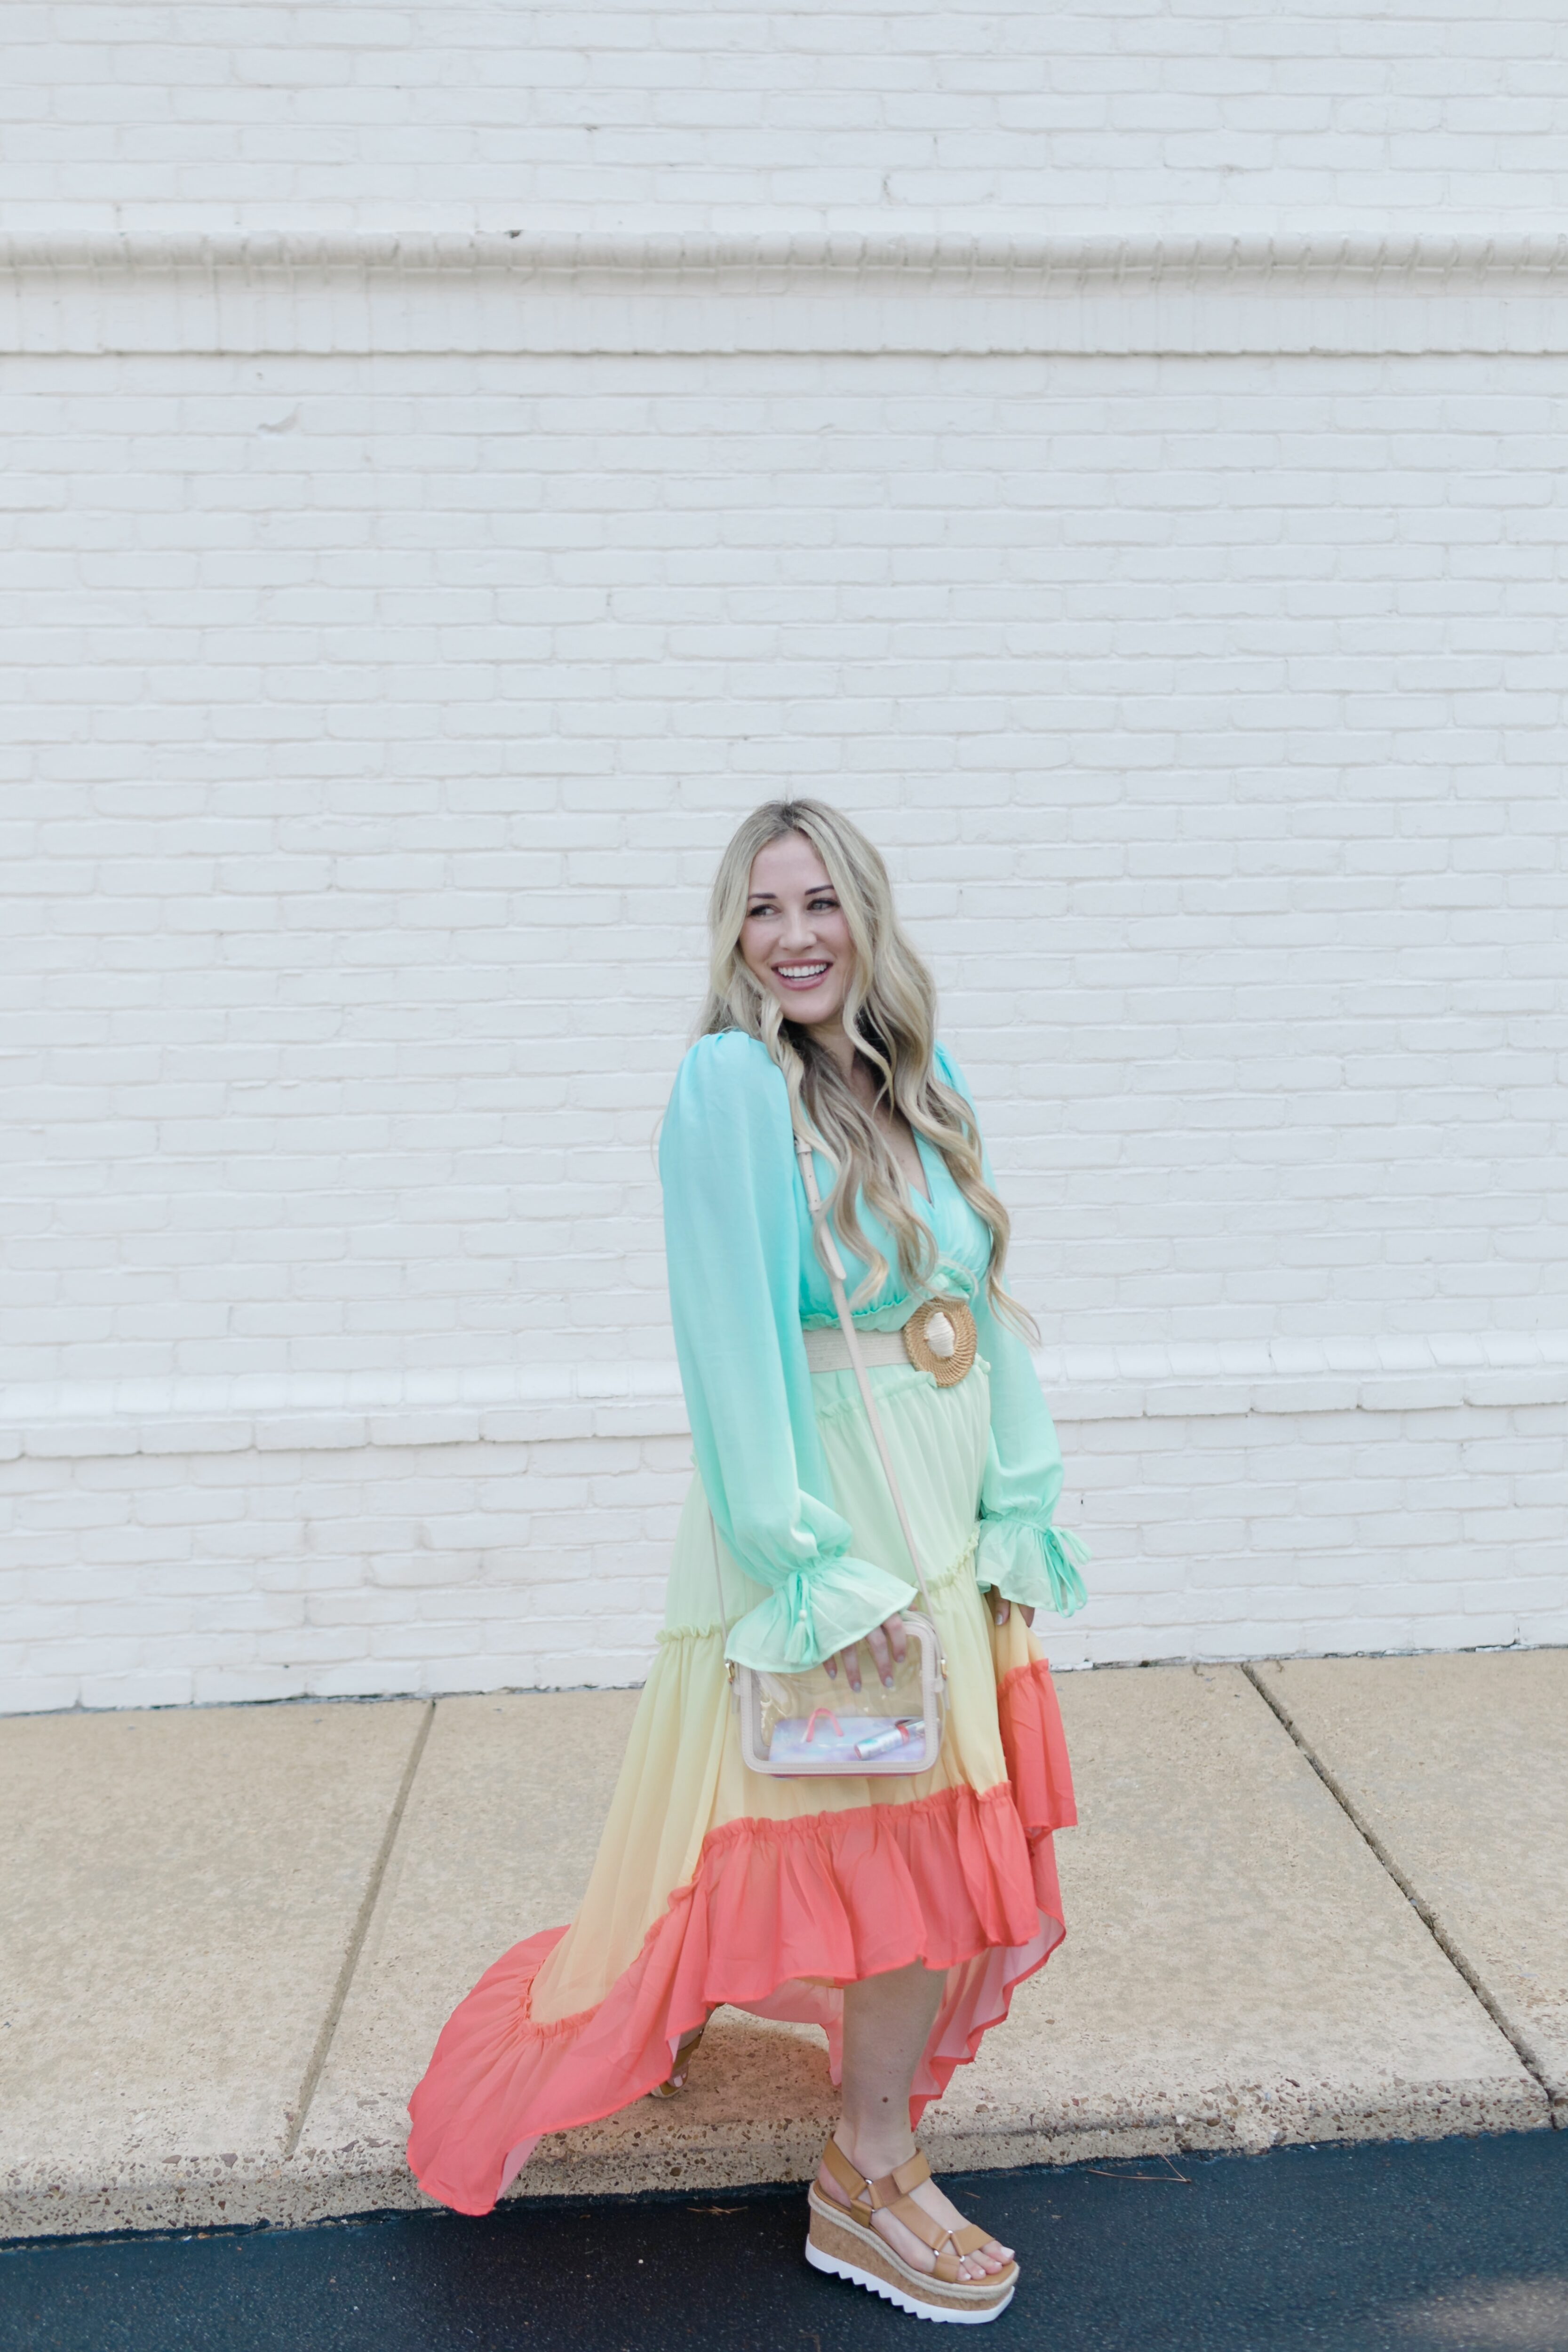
835 2266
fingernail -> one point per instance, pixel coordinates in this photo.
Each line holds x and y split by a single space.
887 1681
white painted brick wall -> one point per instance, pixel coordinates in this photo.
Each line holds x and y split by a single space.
371 724
262 115
374 739
159 1579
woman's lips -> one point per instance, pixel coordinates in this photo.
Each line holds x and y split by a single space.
808 977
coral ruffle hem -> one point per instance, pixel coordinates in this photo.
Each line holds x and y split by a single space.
963 1880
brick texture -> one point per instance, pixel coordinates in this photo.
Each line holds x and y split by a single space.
258 114
372 724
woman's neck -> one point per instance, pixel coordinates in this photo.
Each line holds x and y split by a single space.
863 1084
835 1041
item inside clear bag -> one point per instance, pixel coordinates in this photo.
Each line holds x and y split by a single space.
813 1722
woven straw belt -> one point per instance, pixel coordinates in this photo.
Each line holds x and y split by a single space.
939 1337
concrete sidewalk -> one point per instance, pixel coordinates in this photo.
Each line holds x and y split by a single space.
1317 1900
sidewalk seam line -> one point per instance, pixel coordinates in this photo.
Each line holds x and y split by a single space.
1450 1950
356 1941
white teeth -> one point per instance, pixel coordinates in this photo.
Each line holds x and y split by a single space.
798 971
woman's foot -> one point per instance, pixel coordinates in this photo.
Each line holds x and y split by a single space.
676 2079
876 2163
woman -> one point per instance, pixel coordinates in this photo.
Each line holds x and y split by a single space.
896 1913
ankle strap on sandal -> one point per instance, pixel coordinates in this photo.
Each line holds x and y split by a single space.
855 2185
894 2186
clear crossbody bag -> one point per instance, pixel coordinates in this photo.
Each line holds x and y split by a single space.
795 1725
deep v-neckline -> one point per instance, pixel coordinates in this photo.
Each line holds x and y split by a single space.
929 1195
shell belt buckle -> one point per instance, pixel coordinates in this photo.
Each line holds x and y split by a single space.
939 1337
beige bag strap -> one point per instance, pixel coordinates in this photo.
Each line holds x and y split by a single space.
719 1585
827 1249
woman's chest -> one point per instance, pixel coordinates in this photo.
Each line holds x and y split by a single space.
962 1239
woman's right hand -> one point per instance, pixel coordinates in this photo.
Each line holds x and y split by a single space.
889 1645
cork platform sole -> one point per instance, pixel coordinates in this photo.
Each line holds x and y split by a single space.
837 2245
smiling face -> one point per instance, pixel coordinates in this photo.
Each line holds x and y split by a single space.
794 939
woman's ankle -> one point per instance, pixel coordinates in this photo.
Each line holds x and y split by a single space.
875 2154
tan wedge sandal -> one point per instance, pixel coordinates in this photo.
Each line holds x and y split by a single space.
675 2081
843 2242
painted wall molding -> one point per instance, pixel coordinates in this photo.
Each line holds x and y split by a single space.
1322 291
643 1400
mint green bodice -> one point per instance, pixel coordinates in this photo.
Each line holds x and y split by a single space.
743 1280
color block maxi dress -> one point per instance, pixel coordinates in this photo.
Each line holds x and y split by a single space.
714 1884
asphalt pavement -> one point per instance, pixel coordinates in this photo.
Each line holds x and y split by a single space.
1457 2245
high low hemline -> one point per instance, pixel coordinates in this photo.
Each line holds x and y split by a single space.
777 1917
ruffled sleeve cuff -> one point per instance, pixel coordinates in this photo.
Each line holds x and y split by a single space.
1031 1563
815 1612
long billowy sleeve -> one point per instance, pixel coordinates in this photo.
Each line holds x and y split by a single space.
732 1236
1021 1551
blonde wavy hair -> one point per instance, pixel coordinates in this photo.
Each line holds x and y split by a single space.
889 1011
